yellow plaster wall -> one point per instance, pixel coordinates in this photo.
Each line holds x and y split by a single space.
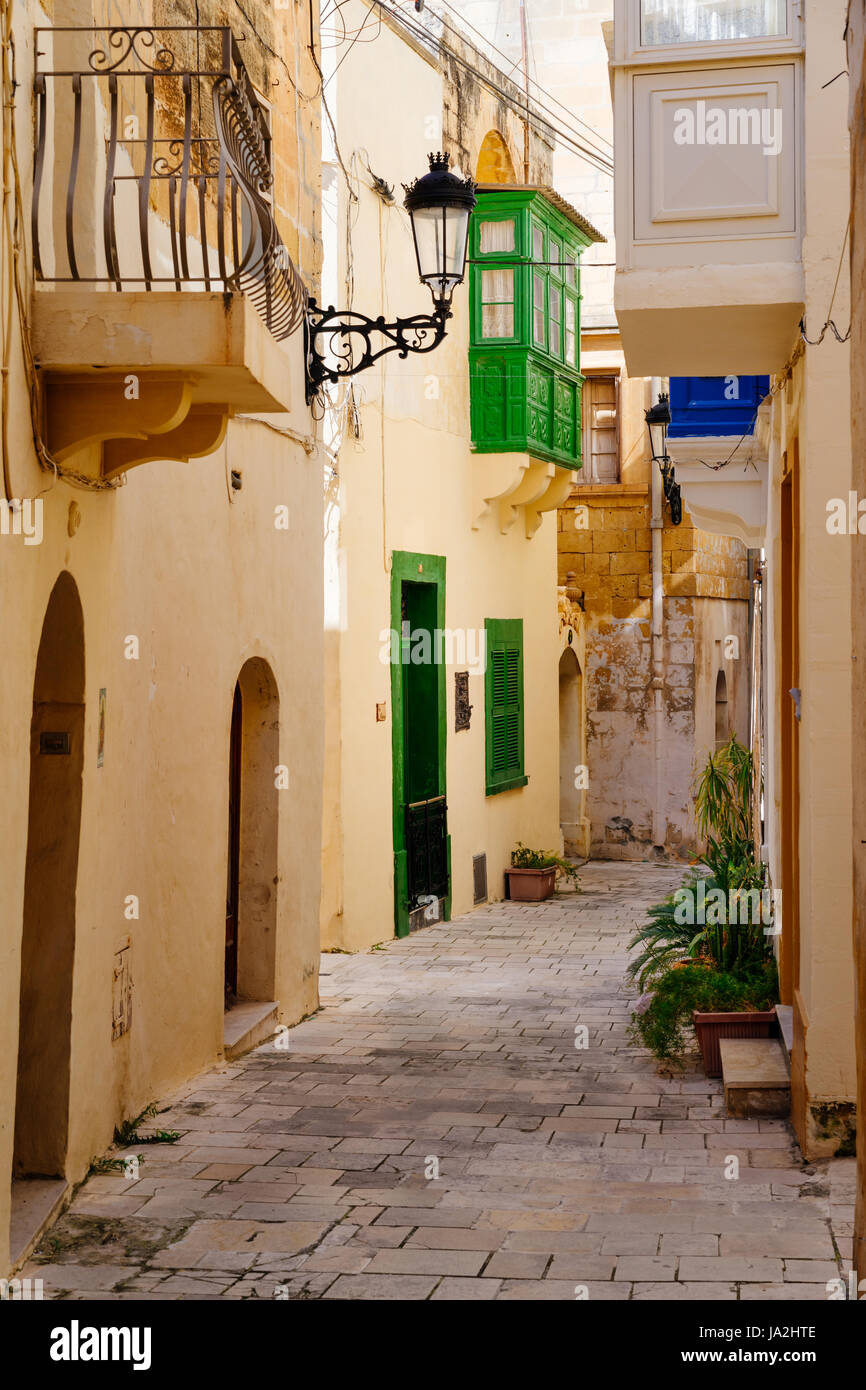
408 483
204 580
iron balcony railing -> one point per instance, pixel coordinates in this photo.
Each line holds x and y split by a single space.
153 168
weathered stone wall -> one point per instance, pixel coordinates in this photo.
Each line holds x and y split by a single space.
275 47
706 590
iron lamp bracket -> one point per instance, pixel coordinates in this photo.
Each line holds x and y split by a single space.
340 343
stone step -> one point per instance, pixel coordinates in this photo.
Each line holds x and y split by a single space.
246 1024
755 1077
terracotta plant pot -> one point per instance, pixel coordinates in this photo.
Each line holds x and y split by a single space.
711 1028
531 885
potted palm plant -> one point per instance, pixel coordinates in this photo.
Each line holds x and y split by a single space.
533 873
717 926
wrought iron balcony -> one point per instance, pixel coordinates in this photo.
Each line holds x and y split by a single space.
153 168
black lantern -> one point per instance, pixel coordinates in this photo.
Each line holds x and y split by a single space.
438 204
658 417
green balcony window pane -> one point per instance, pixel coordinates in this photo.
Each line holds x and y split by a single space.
524 344
497 303
570 335
497 237
539 310
555 321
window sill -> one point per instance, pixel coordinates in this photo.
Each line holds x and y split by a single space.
610 490
506 786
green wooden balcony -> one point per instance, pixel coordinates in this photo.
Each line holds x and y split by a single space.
524 354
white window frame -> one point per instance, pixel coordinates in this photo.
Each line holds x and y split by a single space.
628 48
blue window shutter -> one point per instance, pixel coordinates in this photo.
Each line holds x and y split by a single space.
703 406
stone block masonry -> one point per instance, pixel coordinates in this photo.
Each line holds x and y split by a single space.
605 550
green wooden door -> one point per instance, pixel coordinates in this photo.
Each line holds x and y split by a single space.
421 842
420 692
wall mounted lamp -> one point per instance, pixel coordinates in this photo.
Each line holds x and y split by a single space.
658 417
340 343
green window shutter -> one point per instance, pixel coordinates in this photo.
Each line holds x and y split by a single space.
503 705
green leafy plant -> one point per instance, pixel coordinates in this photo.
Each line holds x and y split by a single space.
99 1167
724 793
524 858
725 927
665 939
127 1133
679 992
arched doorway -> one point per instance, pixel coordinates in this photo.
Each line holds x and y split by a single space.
51 873
572 760
255 779
495 164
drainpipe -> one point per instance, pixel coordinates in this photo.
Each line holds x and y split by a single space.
657 684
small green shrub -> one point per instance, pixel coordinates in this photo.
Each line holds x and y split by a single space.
683 989
524 858
127 1133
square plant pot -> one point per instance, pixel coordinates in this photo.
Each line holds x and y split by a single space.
531 885
712 1027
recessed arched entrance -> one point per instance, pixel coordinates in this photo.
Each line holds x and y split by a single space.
495 164
51 872
572 760
254 789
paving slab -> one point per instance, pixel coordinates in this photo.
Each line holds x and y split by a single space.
433 1133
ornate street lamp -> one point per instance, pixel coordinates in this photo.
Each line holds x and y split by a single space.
658 417
438 205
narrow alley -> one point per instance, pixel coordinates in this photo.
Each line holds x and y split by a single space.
438 1130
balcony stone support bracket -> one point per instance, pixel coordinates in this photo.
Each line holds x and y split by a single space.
516 481
128 378
494 477
536 480
89 409
729 501
201 433
558 489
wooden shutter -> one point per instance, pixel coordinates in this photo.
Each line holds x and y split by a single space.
504 704
601 429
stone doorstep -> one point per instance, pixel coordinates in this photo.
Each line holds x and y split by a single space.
419 918
36 1204
246 1024
755 1077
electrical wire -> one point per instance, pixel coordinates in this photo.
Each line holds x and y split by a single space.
829 323
532 81
325 107
782 379
543 124
355 39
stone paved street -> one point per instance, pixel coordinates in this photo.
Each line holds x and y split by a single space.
307 1172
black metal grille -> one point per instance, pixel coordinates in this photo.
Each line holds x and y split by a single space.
175 154
479 877
427 849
